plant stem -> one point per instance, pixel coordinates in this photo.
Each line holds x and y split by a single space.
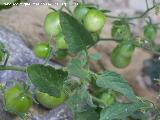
135 17
151 50
7 57
15 68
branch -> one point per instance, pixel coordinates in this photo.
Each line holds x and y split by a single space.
15 68
150 50
135 17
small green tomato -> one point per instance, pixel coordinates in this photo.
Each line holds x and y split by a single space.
50 101
60 42
16 101
94 20
52 24
41 50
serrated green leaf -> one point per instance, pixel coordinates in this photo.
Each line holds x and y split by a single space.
80 100
139 115
75 68
114 81
47 79
89 114
76 36
120 111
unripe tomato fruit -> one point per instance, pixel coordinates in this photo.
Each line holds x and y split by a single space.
120 30
150 32
122 54
16 101
50 101
52 24
61 54
41 50
107 98
80 11
94 20
60 42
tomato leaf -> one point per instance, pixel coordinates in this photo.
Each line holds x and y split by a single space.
80 100
114 81
76 36
89 114
47 79
120 111
75 68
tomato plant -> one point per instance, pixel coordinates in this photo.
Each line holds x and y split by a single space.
85 92
16 100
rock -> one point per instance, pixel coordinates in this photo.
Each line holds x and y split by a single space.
21 55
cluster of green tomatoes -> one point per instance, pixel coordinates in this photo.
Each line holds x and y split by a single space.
94 20
121 31
18 99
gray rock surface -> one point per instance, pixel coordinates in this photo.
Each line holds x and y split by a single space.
21 55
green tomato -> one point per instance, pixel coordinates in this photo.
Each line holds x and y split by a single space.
120 30
80 11
41 50
16 101
61 54
107 98
122 54
94 20
60 42
150 32
52 24
50 101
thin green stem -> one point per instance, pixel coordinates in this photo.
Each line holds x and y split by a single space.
15 68
7 57
135 17
50 51
151 50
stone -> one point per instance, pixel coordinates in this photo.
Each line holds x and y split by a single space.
21 55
